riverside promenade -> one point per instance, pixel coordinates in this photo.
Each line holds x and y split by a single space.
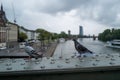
47 51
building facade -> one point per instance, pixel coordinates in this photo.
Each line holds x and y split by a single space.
8 31
36 35
80 31
12 32
31 34
3 34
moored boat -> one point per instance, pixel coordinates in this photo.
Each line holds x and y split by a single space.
113 44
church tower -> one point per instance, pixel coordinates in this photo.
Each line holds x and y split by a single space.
3 21
3 18
1 7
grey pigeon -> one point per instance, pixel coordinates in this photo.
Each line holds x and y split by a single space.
80 48
31 51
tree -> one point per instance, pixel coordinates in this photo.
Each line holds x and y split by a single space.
63 35
43 34
108 35
22 36
55 36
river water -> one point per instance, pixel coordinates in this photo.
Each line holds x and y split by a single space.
98 46
67 49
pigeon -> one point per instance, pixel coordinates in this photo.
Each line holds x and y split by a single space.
31 51
80 48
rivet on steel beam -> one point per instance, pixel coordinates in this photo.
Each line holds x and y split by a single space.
48 57
42 67
97 60
27 61
60 57
9 68
76 65
97 55
13 61
107 57
8 64
112 59
72 56
52 62
108 54
93 58
52 59
112 56
94 64
37 62
59 66
67 61
26 67
22 63
111 63
82 60
84 56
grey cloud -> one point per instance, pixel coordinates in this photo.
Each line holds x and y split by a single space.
102 11
109 12
55 6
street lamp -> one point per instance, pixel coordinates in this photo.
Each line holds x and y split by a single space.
7 35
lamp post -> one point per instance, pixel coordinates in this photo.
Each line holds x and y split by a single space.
7 36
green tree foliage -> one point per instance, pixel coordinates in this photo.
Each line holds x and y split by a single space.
63 35
44 35
55 36
22 36
108 35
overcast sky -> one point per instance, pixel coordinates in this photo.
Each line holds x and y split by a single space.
64 15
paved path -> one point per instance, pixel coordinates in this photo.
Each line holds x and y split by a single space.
18 53
51 50
65 49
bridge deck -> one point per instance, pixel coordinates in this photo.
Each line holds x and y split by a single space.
101 67
48 64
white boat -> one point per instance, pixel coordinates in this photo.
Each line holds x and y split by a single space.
61 40
113 44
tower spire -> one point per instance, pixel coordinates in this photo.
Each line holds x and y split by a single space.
14 13
1 7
